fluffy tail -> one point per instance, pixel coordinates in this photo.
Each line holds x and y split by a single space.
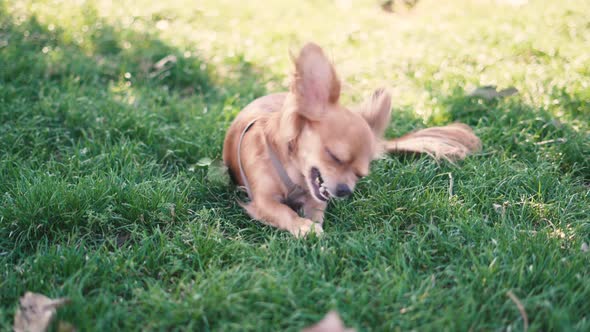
452 142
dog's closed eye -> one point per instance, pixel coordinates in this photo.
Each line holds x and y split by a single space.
359 176
333 156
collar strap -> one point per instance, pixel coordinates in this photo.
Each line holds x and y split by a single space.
281 171
242 174
294 191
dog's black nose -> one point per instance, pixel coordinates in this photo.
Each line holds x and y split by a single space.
342 190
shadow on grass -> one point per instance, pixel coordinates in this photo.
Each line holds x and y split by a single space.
134 72
99 135
514 128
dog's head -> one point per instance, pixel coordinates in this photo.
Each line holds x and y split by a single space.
332 145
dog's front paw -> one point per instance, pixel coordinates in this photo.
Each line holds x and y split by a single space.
306 227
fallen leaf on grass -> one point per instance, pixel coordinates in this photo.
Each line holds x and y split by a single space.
204 162
387 6
163 65
35 312
500 208
165 61
330 323
218 173
489 92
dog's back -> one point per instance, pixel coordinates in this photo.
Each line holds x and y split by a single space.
260 110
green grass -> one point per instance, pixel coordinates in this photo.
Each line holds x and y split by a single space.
102 200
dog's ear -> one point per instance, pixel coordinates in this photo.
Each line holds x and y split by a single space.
376 110
315 83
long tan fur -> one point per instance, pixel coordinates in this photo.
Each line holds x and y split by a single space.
452 142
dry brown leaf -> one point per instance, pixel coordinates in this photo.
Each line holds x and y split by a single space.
489 92
35 312
387 6
330 323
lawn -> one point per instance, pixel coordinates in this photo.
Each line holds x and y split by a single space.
108 110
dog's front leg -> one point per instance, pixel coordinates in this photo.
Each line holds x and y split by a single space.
314 210
279 215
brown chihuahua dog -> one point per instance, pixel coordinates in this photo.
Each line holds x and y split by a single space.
294 151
